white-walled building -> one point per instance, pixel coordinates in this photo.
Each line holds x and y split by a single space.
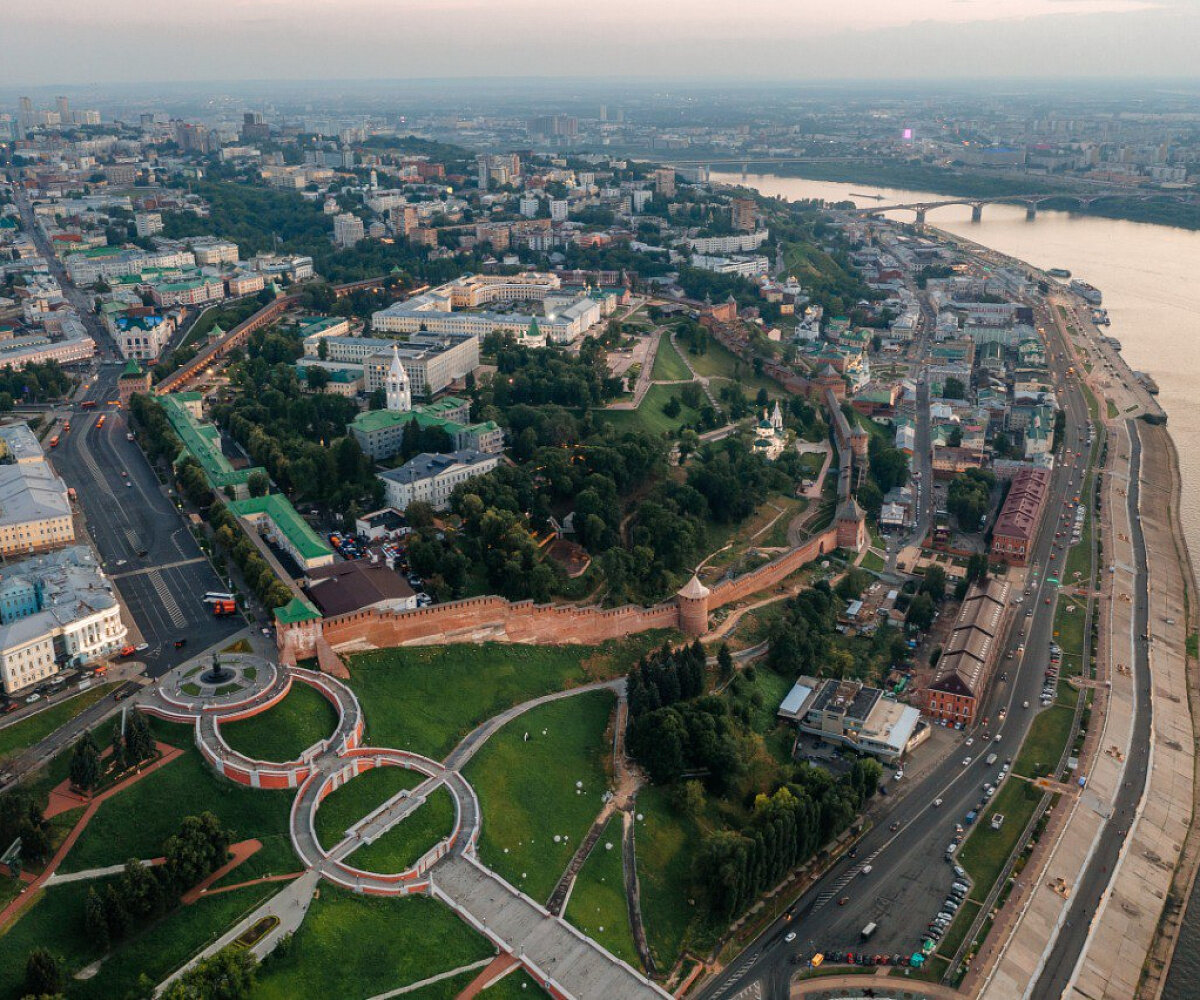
432 478
56 610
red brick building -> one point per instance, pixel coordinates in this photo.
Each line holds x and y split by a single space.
1016 527
963 670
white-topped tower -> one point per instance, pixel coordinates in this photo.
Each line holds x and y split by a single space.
396 388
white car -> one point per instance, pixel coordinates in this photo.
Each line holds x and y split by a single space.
970 741
937 803
966 762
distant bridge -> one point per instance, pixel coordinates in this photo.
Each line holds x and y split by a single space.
1030 201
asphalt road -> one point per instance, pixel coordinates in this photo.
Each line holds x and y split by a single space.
910 876
1085 898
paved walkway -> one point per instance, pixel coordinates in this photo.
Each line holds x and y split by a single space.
554 952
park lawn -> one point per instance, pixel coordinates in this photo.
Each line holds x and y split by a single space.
665 842
284 732
361 795
228 316
668 365
719 362
1044 743
352 947
403 691
404 844
598 904
55 921
527 790
1069 618
985 851
873 562
517 985
135 822
649 417
20 736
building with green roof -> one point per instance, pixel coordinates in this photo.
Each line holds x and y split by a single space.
380 433
274 517
202 441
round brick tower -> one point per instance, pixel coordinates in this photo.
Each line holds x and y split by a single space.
860 442
693 607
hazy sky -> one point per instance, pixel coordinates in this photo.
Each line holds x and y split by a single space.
85 41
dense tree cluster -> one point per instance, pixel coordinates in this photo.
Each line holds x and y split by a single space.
230 974
255 570
969 496
35 383
140 894
786 828
21 816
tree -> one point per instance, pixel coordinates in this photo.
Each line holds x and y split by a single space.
934 583
977 567
920 612
85 768
200 847
672 408
953 388
725 662
43 973
258 483
139 741
95 919
690 798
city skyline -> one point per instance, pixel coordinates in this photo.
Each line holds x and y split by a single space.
762 39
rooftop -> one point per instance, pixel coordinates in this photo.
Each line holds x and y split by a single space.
351 586
287 520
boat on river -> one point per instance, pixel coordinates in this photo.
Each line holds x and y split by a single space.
1059 272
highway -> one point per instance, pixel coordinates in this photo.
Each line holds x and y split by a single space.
910 877
143 542
1085 899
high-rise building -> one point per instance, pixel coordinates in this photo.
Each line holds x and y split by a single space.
254 129
148 223
558 209
529 206
347 229
604 112
26 116
664 181
64 109
743 214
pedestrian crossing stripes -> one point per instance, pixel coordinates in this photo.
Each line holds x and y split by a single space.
170 605
843 880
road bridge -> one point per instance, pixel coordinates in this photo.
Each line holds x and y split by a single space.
1031 202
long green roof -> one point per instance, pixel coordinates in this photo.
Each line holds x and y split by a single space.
203 442
288 520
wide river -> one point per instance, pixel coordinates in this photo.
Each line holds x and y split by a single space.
1150 277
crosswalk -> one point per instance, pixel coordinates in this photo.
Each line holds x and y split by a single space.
826 895
736 977
170 605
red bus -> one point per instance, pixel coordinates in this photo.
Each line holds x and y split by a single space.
224 608
88 404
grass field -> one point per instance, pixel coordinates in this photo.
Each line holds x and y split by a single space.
1044 745
56 922
527 790
20 736
719 362
649 417
665 842
353 947
1069 618
958 929
598 905
284 732
985 851
668 365
403 690
872 561
345 806
399 849
134 823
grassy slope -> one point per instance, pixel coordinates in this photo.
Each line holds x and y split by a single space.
284 732
404 691
345 806
401 846
598 905
527 792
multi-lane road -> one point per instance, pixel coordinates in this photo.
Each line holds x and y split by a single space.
909 876
144 543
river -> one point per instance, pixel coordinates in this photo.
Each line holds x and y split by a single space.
1150 277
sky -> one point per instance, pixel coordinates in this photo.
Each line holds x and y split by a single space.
129 41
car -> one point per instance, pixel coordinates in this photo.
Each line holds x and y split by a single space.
970 741
966 761
937 803
180 643
121 562
141 646
996 738
32 698
895 826
791 936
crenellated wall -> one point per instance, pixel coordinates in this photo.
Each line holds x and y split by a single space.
476 619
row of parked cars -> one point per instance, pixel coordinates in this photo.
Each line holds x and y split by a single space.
945 916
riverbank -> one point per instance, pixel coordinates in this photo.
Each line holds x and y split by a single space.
1163 211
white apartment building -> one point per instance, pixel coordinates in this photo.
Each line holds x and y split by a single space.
347 229
747 267
528 207
147 223
432 478
56 610
559 209
735 243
